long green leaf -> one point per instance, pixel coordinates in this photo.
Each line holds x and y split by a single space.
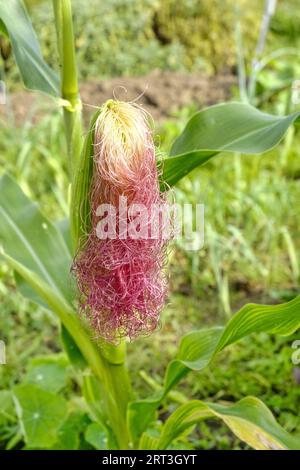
229 127
199 348
34 242
36 73
249 419
36 250
80 200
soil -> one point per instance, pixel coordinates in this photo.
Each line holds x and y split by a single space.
160 92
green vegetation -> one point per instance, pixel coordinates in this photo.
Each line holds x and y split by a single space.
250 254
252 238
132 37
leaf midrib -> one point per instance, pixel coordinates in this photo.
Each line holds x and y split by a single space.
239 139
30 249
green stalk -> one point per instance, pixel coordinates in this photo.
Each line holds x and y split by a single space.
69 82
110 369
106 361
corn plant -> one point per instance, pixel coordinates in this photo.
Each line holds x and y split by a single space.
42 254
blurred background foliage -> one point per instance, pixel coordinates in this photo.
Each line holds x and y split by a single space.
252 218
132 37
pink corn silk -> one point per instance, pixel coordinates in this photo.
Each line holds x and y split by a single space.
122 282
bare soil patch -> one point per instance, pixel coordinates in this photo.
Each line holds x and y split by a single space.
161 93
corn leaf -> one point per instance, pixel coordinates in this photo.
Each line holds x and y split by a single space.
80 201
229 127
32 240
148 442
249 419
197 350
35 72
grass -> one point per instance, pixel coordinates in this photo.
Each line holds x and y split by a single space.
251 253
